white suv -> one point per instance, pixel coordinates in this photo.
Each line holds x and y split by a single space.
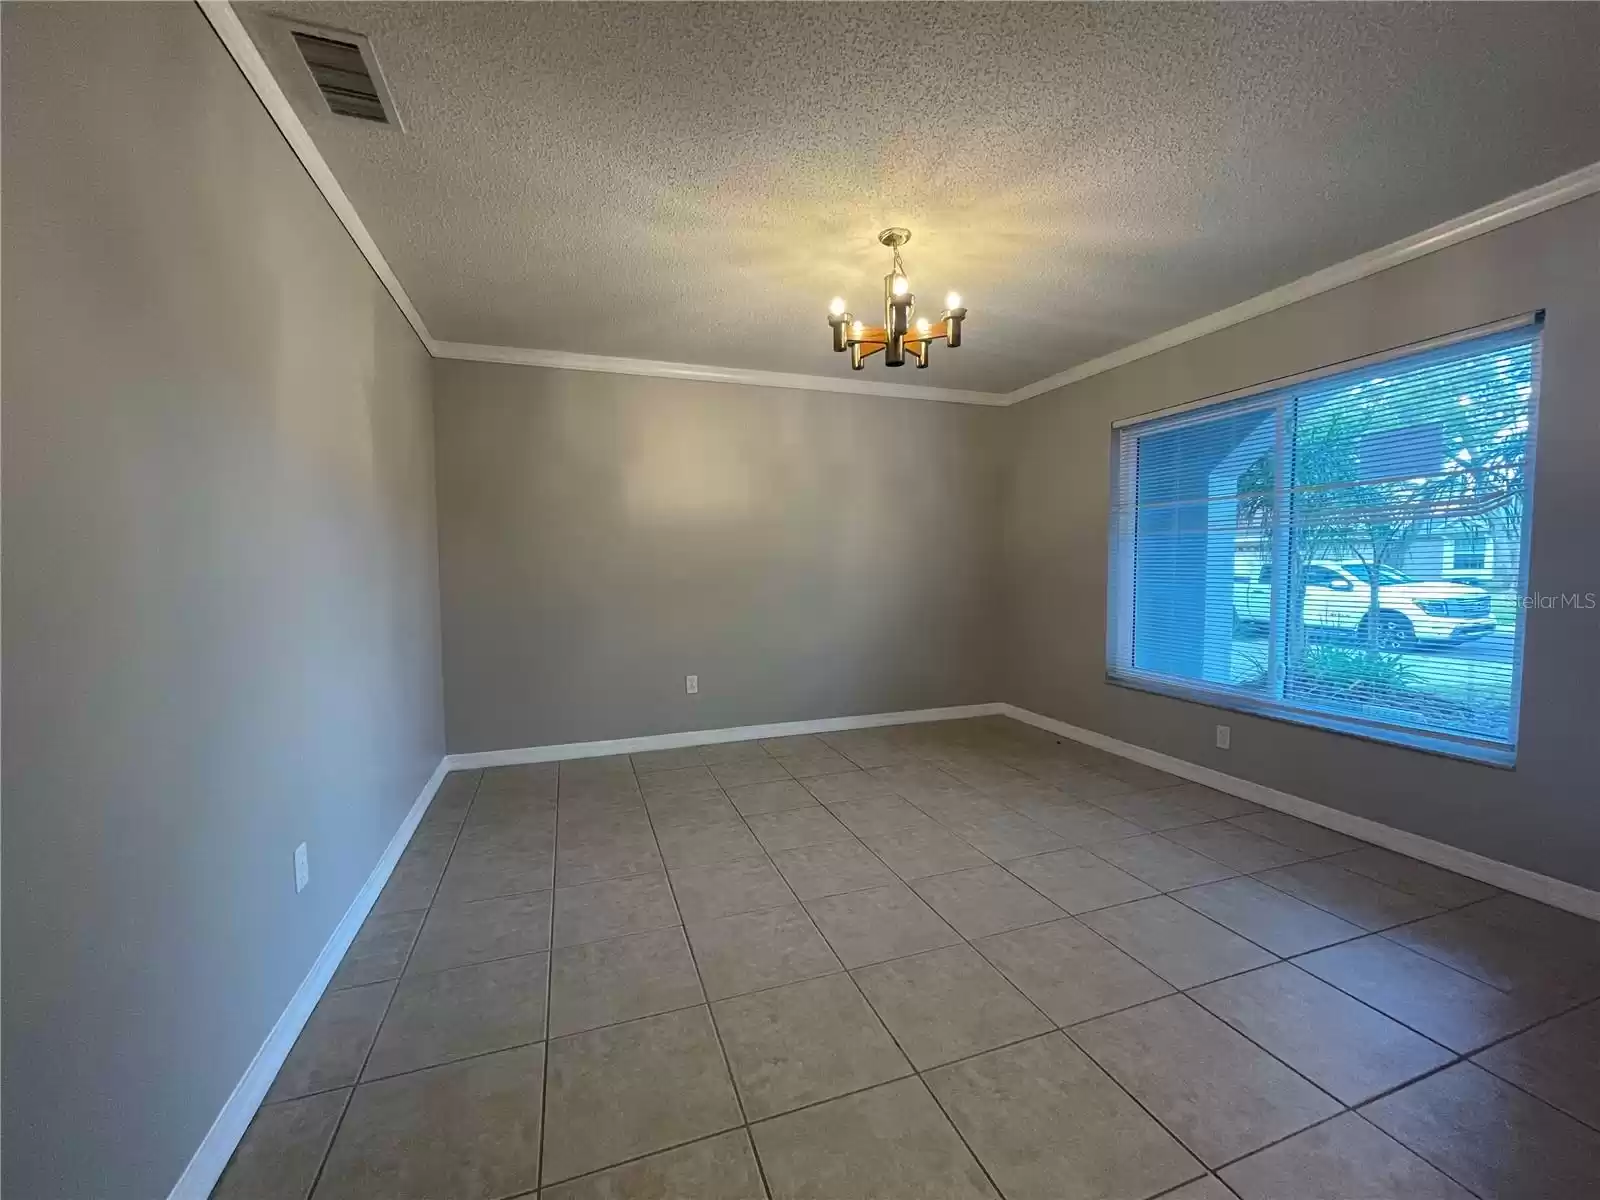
1338 598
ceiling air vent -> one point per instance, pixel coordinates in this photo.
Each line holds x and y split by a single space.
346 74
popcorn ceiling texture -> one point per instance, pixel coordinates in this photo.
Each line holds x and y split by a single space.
693 182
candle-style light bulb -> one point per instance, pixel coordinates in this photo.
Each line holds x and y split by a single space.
923 328
900 286
952 300
836 306
856 328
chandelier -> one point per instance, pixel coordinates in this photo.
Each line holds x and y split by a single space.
899 335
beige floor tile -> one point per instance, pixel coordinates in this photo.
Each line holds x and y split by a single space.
1344 1047
1292 831
793 745
627 1090
880 814
1559 1062
521 779
457 934
1215 804
1340 1159
1438 1002
690 808
1444 888
1501 958
621 979
1081 824
888 1143
480 873
1153 811
828 868
1177 943
719 753
380 949
779 796
1079 881
416 876
878 924
678 781
612 907
1235 847
985 900
1270 918
1491 1138
334 1043
795 827
1552 929
839 786
1220 1094
281 1152
803 1042
923 850
820 762
760 949
1070 971
701 845
606 857
737 774
953 809
1010 836
467 1130
717 1168
1048 1125
445 1015
721 889
653 762
948 1004
1354 898
1207 1187
1162 863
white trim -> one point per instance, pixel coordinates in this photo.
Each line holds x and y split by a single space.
566 361
1575 185
233 35
1557 893
704 737
209 1161
1564 189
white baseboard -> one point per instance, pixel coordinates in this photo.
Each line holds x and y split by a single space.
207 1165
1557 893
702 737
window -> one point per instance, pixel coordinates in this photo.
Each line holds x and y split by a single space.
1247 535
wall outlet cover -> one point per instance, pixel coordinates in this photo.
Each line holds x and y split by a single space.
1224 737
691 684
302 867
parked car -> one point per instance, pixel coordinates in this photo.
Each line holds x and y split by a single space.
1338 600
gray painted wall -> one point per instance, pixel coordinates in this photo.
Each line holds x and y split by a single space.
806 554
1544 815
220 597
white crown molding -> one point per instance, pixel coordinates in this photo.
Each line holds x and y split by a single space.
237 41
1562 190
567 361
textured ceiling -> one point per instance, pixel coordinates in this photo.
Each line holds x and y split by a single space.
693 182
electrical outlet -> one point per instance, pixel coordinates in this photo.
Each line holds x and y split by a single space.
1224 737
302 867
691 684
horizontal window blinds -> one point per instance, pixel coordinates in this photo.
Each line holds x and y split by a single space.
1348 552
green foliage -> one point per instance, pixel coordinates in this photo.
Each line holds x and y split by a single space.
1356 674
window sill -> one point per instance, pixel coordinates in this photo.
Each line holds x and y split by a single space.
1484 753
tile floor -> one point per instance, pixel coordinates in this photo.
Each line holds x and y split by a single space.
963 959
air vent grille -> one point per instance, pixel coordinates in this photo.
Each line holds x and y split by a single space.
342 77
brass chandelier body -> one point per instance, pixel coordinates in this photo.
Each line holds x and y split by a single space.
900 334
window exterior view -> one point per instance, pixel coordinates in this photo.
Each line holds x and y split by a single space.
1347 552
